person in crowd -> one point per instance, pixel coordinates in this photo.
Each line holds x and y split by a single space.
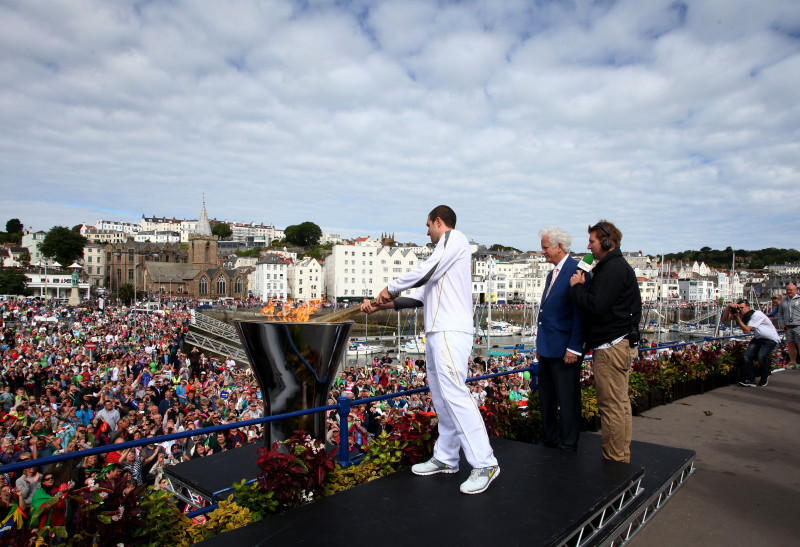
612 309
765 338
559 346
60 512
789 315
29 481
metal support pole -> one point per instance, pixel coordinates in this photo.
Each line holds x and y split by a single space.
344 445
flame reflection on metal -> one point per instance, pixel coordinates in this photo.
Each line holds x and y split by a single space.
295 364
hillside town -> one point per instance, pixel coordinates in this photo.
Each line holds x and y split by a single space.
183 258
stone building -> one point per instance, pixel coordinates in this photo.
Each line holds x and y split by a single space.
168 269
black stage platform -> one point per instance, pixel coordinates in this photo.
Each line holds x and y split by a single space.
542 497
204 476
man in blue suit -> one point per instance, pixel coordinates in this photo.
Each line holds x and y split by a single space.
559 346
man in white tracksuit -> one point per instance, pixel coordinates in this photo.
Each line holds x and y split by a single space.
444 288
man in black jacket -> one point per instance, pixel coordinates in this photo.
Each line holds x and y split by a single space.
612 309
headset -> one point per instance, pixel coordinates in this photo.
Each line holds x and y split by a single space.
606 243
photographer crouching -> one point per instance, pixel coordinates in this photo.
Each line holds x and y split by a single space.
765 338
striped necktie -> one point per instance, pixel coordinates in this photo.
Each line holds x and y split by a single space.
552 282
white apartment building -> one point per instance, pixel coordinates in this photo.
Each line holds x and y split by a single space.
266 233
737 287
104 237
245 262
94 264
11 254
116 226
157 237
330 238
687 271
31 241
724 289
306 279
362 270
162 224
269 279
670 290
520 280
284 254
696 290
648 289
784 269
637 260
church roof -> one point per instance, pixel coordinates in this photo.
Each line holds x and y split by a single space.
203 225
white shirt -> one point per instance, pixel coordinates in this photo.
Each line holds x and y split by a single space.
444 284
763 327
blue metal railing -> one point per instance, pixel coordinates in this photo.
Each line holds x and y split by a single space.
343 407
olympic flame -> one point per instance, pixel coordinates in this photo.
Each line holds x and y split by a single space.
291 311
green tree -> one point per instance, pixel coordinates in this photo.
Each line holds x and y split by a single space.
305 234
63 244
13 281
125 293
24 258
497 247
14 226
222 230
13 233
250 253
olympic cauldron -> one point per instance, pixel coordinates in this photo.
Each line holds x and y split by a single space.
295 364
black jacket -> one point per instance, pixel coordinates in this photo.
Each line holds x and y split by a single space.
612 305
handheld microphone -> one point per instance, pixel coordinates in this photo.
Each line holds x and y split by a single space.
585 265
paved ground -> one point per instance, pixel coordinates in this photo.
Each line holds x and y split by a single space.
746 487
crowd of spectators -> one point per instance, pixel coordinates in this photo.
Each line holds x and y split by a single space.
57 396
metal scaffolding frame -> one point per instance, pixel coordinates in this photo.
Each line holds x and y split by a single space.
215 327
217 346
586 532
645 512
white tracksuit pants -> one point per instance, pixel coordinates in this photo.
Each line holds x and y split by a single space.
460 421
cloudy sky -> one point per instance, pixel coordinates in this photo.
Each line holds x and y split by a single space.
676 120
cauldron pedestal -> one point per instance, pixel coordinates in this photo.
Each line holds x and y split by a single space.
295 364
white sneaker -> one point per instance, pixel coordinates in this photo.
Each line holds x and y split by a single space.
480 479
431 467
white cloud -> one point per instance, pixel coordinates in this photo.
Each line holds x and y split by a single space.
677 121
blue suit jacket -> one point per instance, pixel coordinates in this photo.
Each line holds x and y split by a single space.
560 323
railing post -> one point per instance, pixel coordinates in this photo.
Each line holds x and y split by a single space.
344 445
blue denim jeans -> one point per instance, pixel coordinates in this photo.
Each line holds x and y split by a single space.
759 348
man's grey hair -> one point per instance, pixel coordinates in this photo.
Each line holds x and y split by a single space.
557 235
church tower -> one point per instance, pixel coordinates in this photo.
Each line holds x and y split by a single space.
203 244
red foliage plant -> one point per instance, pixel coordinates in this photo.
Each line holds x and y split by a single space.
294 470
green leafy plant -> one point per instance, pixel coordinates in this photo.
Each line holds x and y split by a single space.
637 384
252 496
228 516
589 403
161 523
